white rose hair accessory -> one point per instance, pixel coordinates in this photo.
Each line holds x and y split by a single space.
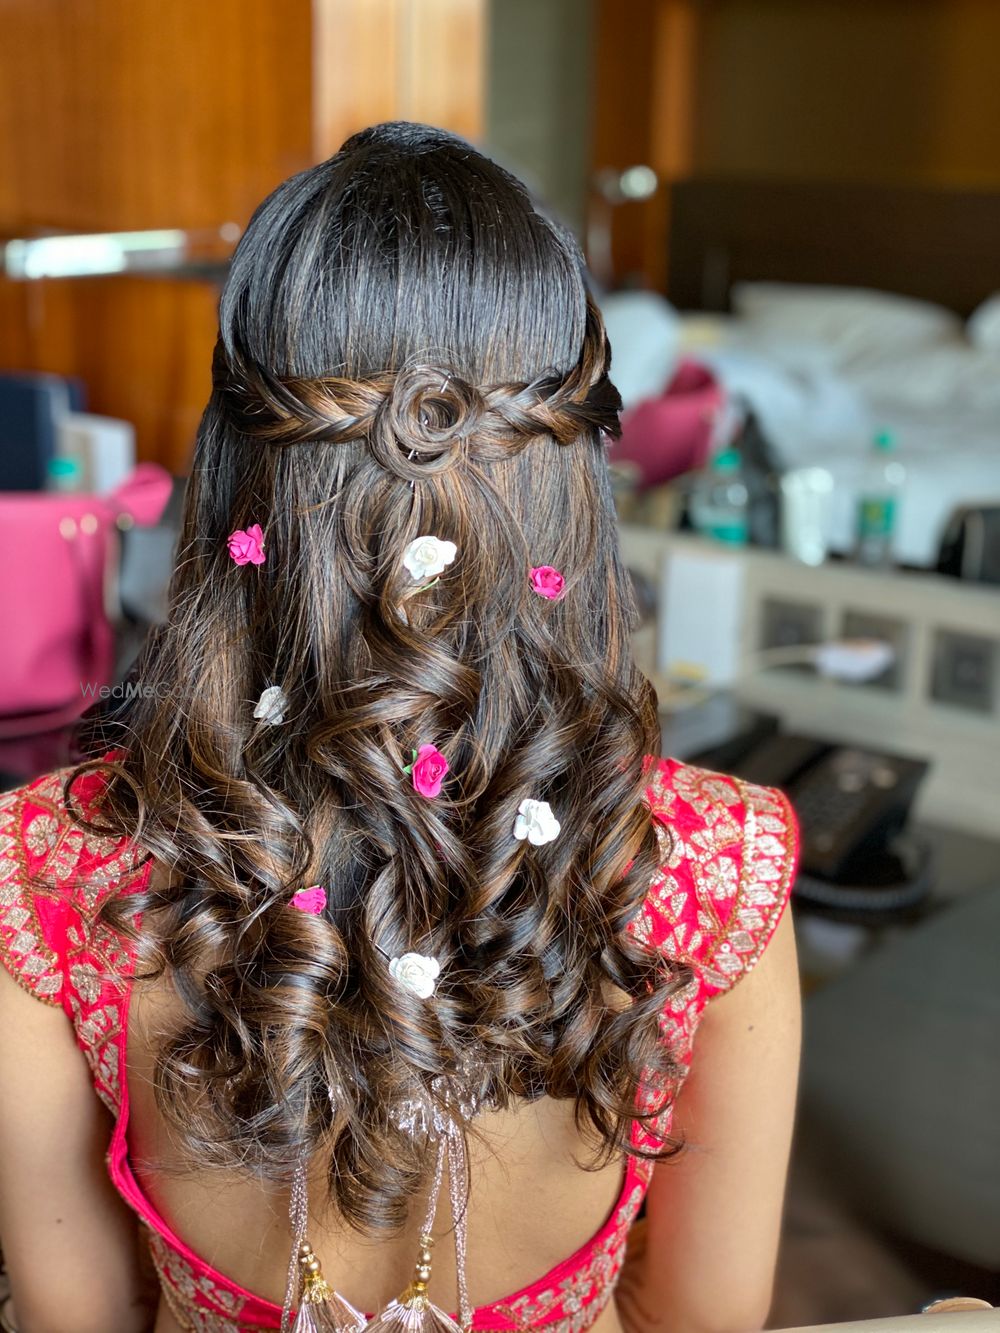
425 557
536 822
271 706
415 973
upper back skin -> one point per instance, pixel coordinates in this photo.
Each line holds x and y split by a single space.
531 1202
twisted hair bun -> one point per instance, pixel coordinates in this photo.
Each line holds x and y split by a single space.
423 418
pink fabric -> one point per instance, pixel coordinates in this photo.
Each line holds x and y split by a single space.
56 551
672 434
728 857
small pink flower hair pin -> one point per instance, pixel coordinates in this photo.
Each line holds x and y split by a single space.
427 771
246 547
312 901
547 582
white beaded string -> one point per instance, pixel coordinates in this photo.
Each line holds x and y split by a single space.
298 1216
458 1190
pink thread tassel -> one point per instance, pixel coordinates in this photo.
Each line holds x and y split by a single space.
322 1310
413 1312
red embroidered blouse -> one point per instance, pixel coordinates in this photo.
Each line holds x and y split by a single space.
714 903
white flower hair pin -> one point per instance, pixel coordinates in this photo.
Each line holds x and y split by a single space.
271 706
536 822
426 557
415 973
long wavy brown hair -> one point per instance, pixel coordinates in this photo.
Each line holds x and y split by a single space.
406 347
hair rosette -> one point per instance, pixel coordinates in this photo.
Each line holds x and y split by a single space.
425 422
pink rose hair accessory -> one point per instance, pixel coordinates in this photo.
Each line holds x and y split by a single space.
547 582
247 547
311 901
427 770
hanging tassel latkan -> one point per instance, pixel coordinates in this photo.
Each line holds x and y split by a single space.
413 1312
321 1309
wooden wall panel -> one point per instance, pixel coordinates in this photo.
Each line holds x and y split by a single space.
120 114
136 113
356 62
444 80
378 60
903 92
624 71
645 77
141 346
886 91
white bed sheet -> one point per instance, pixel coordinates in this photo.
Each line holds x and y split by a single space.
942 403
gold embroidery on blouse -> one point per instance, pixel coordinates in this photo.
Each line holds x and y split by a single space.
23 950
180 1284
34 819
751 868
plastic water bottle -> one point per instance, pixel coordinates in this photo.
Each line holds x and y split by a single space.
63 474
878 503
720 500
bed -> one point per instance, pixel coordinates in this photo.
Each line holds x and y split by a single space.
837 311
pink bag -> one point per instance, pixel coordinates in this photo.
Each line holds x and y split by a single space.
672 434
59 556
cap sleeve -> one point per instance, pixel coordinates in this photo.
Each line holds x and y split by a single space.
32 917
729 853
53 877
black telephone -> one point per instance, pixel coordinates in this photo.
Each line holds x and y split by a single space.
850 801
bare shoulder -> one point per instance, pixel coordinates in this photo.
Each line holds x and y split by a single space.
714 1213
57 1200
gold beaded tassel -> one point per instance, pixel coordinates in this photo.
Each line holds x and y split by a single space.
413 1311
321 1309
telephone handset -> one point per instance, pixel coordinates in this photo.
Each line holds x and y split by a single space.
850 801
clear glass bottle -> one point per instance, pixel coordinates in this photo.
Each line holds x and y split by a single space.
878 504
719 504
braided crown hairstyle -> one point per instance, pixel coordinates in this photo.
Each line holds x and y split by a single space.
406 346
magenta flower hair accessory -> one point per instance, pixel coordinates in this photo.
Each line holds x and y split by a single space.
247 547
427 769
311 900
547 582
